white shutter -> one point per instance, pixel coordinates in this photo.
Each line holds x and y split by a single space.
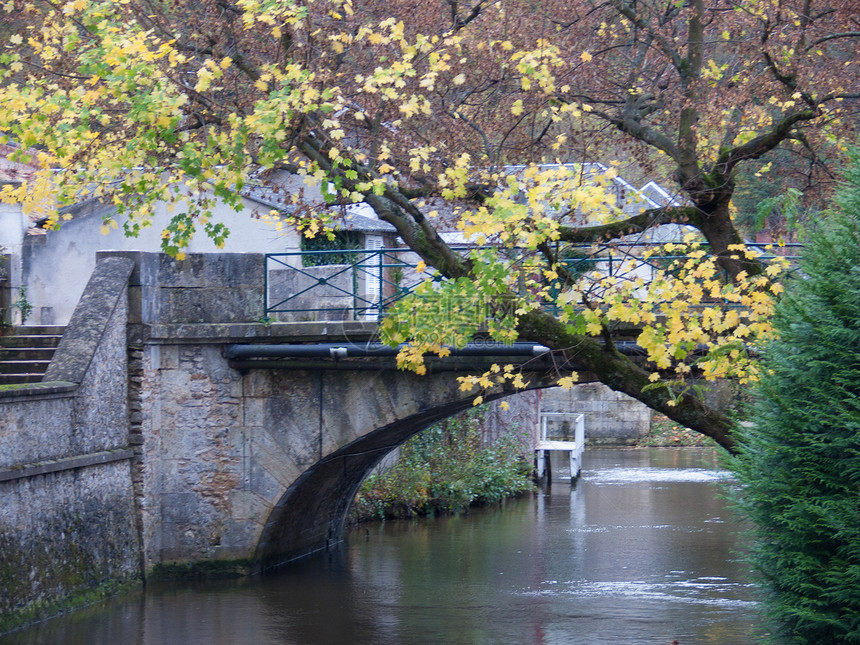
373 275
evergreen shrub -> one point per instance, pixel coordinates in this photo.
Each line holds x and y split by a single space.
799 461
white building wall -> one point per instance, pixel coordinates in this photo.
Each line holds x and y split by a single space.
58 264
13 227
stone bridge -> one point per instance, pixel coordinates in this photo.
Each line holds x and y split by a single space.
146 448
256 461
259 465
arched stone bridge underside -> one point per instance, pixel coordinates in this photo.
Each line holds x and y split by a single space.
365 417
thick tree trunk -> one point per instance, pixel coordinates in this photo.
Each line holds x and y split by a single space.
621 374
713 218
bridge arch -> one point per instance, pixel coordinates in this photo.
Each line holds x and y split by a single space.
242 470
311 512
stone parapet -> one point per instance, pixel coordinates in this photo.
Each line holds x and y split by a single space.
295 332
105 291
202 288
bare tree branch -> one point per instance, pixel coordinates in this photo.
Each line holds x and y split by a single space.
636 224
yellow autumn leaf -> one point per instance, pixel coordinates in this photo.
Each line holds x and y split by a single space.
568 382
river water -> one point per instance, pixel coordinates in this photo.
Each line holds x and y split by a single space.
642 550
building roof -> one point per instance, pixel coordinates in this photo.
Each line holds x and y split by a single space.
14 171
355 217
361 217
656 193
273 197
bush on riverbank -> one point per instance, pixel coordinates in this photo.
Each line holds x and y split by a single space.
445 469
800 460
667 433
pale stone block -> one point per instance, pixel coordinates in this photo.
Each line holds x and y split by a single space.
252 412
169 359
247 505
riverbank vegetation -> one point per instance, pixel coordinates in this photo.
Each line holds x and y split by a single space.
446 469
800 458
667 433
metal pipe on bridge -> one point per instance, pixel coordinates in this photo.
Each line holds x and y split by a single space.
341 350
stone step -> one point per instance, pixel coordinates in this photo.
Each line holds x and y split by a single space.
38 330
26 353
24 367
31 336
41 340
18 379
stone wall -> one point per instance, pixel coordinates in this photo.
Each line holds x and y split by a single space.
192 433
67 514
203 288
611 418
520 417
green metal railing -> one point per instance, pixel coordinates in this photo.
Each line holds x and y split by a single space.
361 284
357 283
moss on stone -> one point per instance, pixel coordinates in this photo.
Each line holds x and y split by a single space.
212 569
37 612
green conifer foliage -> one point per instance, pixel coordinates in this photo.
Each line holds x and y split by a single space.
799 466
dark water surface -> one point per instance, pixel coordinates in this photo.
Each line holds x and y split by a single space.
641 551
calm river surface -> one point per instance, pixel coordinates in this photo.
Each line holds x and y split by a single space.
641 551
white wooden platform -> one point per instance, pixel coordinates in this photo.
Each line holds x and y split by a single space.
574 448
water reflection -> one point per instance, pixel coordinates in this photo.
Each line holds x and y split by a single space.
640 551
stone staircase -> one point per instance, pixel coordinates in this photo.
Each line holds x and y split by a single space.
26 351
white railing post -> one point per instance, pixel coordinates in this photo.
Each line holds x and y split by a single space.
579 447
541 455
579 434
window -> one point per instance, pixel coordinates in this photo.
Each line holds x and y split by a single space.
343 240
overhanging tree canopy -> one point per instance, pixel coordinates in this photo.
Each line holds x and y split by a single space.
400 103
